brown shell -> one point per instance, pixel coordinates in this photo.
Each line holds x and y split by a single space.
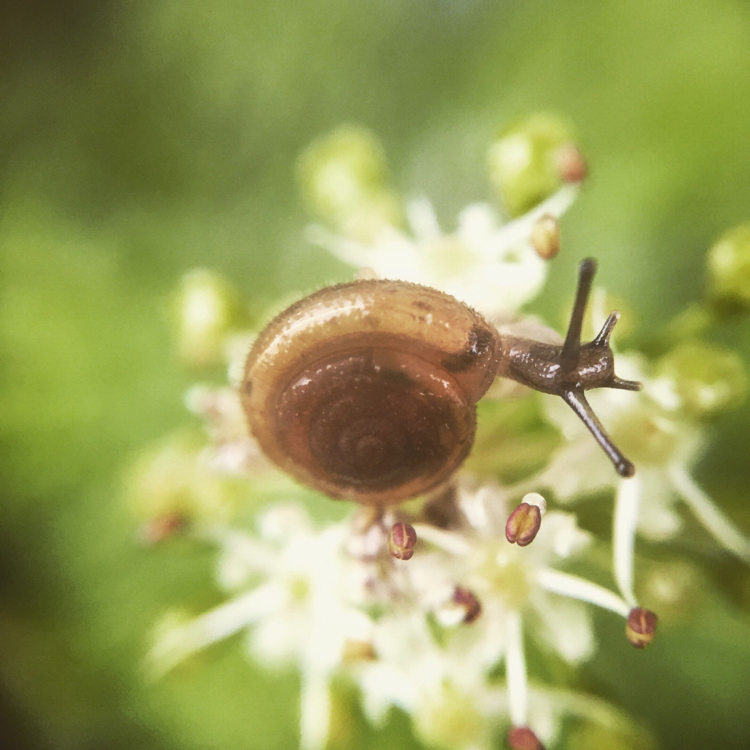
366 391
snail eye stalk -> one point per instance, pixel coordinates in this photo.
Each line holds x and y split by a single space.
590 365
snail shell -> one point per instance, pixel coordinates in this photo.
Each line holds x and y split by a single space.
367 391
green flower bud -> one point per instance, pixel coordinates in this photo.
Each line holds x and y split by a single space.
206 311
343 179
530 159
170 487
729 266
706 378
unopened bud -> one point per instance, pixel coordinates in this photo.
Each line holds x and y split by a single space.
401 541
524 161
343 178
641 627
522 738
571 164
468 602
707 378
206 310
729 266
523 524
545 236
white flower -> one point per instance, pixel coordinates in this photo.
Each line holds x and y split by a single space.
332 601
304 611
490 266
428 675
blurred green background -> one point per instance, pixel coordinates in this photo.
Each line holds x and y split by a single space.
141 139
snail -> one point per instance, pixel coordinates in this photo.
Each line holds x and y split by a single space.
366 391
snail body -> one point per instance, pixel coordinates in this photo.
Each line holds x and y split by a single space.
366 391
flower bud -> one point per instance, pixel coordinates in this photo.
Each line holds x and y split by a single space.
530 159
172 481
523 524
706 378
729 266
401 541
206 310
343 178
522 738
641 627
545 236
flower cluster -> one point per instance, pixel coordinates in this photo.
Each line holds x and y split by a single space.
431 607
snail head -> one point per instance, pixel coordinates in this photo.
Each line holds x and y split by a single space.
582 367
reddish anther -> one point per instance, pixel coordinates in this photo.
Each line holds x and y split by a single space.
641 627
401 541
522 738
523 524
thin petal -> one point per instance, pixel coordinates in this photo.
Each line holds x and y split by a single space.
625 522
214 626
445 540
566 626
579 588
709 514
422 219
516 670
315 712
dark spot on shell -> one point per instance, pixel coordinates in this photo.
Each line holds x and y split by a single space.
426 306
478 343
247 387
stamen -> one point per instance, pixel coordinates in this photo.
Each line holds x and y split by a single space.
519 230
401 541
467 601
523 524
522 738
641 627
545 237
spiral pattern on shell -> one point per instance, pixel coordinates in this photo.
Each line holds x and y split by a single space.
367 391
